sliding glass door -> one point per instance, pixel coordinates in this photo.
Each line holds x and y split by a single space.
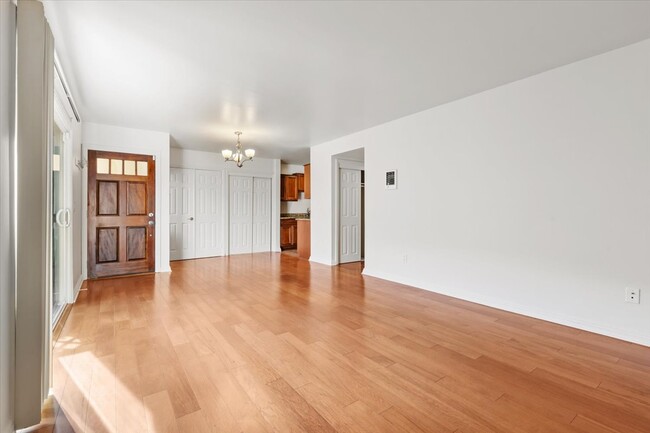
61 219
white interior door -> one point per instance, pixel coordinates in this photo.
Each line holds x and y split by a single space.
350 218
241 214
209 213
181 214
261 214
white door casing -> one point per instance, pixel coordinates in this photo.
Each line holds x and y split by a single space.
209 213
181 218
241 214
350 219
261 214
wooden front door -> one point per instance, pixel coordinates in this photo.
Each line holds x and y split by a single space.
121 206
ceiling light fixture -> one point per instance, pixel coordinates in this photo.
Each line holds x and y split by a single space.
238 157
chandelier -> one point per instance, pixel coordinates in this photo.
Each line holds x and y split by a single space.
238 157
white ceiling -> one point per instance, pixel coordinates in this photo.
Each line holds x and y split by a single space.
294 74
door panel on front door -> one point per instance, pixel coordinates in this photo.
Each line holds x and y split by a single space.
181 214
121 236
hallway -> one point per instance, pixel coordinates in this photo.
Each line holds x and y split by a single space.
269 342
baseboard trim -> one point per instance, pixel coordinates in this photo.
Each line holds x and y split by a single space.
573 322
58 327
77 288
320 261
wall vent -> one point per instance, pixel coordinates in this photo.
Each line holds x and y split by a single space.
391 179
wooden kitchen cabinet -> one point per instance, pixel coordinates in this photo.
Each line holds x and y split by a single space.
304 236
288 187
307 180
288 234
301 181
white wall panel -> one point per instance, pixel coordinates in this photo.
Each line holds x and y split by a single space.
530 197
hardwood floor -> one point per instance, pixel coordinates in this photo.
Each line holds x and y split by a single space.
272 343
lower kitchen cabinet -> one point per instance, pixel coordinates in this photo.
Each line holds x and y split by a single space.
288 234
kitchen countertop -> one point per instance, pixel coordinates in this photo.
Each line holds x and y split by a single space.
294 216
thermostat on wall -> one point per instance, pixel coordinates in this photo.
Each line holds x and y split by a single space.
391 179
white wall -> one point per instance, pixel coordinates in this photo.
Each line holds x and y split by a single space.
7 253
260 167
303 203
533 197
117 139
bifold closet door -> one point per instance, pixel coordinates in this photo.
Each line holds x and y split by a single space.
208 216
250 214
261 214
181 214
241 214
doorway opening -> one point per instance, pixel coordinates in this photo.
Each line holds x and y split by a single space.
349 210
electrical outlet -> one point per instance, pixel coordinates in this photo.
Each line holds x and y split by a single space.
632 296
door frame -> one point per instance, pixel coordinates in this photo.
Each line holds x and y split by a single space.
128 266
338 164
161 155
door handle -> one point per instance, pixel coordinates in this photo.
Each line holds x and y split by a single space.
151 223
191 218
68 217
57 218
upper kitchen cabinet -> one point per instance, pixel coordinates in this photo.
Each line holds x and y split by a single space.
307 181
289 187
301 181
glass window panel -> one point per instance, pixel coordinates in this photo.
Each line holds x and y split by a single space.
102 165
116 166
142 168
129 168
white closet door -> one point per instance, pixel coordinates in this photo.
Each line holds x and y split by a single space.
209 213
261 214
350 221
181 218
241 214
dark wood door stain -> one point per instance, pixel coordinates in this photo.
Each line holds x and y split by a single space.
121 198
